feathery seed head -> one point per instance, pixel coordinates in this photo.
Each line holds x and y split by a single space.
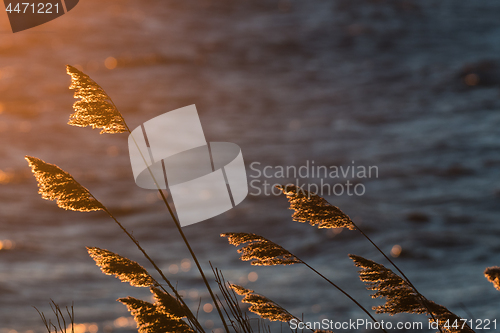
239 289
168 304
493 275
310 207
125 269
401 297
150 320
263 251
262 305
95 107
56 184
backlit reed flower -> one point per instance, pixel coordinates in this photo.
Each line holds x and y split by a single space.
262 251
262 305
493 275
310 207
401 297
150 319
125 269
95 108
56 184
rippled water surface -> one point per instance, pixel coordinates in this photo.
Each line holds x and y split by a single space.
410 87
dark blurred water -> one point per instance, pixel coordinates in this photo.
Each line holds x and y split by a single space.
410 87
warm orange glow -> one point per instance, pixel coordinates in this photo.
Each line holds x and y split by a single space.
80 328
121 322
185 265
253 276
5 177
113 151
193 294
471 79
243 281
110 63
209 324
396 251
92 328
173 269
25 127
208 307
6 244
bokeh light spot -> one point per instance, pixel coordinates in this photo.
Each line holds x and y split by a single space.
110 63
253 276
208 307
396 251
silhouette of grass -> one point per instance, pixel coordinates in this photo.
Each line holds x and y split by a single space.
169 312
60 319
96 109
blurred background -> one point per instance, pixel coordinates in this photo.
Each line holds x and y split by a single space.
409 86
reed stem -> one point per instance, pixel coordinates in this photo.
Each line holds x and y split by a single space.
342 291
193 255
179 228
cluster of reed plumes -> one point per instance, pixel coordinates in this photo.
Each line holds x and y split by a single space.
169 312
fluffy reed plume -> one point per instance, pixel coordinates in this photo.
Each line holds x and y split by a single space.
166 303
95 108
310 207
150 319
493 275
262 305
125 269
56 184
401 297
265 252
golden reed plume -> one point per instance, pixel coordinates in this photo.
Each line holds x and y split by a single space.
56 184
167 304
401 297
493 275
95 108
263 251
310 207
150 319
125 269
262 305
